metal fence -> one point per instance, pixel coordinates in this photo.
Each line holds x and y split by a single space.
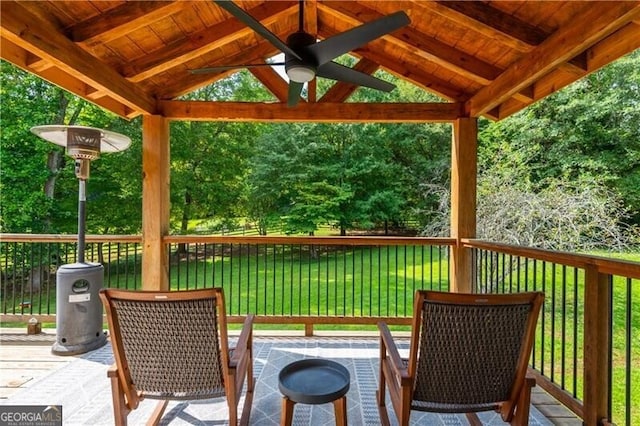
281 280
562 335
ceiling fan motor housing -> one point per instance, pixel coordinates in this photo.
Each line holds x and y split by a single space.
297 70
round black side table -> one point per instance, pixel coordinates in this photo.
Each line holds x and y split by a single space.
314 381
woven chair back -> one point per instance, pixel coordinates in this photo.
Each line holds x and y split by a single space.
468 355
172 347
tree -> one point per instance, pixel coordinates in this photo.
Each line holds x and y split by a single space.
317 174
210 160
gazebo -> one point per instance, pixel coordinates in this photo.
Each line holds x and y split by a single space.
484 59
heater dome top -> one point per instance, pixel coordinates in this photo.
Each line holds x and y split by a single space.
59 135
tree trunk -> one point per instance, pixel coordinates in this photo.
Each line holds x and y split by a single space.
55 158
184 224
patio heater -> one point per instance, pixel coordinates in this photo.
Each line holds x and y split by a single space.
78 306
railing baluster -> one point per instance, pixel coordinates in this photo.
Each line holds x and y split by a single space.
575 333
563 369
431 269
553 320
628 363
370 281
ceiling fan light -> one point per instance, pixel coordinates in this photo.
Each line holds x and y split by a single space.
300 74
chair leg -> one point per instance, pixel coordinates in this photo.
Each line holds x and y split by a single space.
156 416
233 410
248 398
521 415
120 409
381 392
382 410
473 419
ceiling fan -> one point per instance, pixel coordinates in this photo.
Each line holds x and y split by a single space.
306 58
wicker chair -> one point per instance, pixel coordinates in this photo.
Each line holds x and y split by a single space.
174 346
468 353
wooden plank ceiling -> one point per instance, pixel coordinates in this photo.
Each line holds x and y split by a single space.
489 58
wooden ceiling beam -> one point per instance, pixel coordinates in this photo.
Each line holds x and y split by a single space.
413 74
444 55
121 20
311 17
180 87
597 20
341 90
40 38
36 63
21 58
422 45
205 41
272 81
626 39
311 112
490 22
312 90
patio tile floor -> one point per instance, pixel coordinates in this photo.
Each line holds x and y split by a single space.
82 388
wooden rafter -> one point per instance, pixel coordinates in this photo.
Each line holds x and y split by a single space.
205 41
18 56
597 20
264 49
429 48
42 39
311 17
272 81
616 45
311 112
121 20
492 22
414 75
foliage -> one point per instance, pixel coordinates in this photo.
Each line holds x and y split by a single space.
567 216
586 132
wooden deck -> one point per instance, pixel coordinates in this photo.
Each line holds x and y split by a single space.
27 360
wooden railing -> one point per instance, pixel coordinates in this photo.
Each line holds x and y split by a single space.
587 352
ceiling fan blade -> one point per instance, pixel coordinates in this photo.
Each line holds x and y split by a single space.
222 68
256 26
295 89
332 47
339 72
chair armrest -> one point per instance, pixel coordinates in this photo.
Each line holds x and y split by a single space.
392 350
244 342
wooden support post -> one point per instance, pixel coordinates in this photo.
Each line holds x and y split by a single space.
597 311
308 329
463 200
155 202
